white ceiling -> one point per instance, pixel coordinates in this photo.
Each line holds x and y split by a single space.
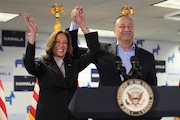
100 14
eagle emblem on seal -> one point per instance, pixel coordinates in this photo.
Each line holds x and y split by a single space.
134 98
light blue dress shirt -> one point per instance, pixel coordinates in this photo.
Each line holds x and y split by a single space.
126 56
73 26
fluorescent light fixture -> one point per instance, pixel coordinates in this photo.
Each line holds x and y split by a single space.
4 17
173 16
175 4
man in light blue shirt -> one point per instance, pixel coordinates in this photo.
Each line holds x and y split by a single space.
125 48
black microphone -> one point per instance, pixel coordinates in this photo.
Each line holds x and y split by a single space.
118 63
121 69
135 71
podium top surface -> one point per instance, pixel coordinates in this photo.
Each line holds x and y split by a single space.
102 103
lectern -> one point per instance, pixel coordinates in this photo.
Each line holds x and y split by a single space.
100 103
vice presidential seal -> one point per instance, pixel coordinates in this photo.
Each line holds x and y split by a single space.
135 97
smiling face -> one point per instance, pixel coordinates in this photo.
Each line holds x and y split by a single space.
124 29
61 45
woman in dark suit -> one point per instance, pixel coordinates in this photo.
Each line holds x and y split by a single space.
56 87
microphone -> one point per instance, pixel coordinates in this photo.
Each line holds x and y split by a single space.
121 69
135 71
118 63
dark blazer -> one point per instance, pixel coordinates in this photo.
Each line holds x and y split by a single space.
107 69
55 90
109 76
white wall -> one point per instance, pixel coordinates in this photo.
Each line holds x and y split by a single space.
18 109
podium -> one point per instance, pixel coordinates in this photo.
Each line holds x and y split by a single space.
100 103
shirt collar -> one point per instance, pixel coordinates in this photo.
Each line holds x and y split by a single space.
131 49
57 59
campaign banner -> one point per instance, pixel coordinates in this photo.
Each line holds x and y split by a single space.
94 75
24 83
160 66
13 38
6 73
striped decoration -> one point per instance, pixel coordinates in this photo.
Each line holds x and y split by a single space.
3 111
32 109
